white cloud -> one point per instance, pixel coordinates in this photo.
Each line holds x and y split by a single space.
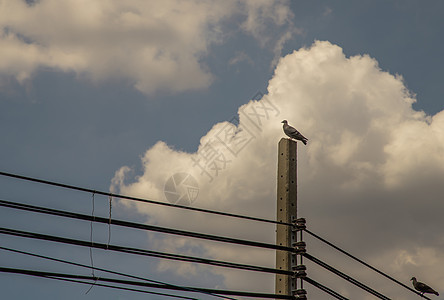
370 177
152 45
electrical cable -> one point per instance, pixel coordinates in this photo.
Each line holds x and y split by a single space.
345 276
81 243
70 278
171 256
204 211
324 288
88 267
143 284
141 252
72 187
364 263
166 230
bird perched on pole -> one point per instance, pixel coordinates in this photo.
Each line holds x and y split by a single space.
423 288
293 133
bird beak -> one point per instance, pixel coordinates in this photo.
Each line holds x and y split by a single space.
282 122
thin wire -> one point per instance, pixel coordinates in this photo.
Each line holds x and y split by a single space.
364 263
72 187
142 252
91 240
166 230
110 199
90 248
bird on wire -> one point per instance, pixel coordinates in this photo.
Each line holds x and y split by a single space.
423 288
293 133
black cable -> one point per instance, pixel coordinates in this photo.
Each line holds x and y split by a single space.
136 251
345 276
85 244
364 263
78 216
324 288
118 287
88 267
186 258
72 278
72 187
143 284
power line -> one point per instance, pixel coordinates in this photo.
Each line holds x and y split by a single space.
72 187
100 269
85 244
121 249
345 276
144 252
81 265
324 288
142 284
186 233
72 279
364 263
166 230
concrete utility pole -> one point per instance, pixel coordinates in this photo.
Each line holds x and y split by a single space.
286 212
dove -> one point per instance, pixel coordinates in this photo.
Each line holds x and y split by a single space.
293 133
423 288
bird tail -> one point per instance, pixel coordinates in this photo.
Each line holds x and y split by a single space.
436 293
305 141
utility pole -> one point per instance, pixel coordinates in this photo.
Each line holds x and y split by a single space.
286 212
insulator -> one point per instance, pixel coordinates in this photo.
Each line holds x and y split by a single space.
300 274
300 268
300 292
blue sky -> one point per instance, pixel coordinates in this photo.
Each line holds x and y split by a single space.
86 89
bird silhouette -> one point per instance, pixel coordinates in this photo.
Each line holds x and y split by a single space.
293 133
423 288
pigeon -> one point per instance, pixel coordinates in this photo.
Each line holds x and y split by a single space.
423 288
293 133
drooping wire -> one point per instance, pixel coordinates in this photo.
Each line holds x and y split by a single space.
72 187
110 200
91 237
90 248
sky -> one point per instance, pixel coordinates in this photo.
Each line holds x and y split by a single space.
133 96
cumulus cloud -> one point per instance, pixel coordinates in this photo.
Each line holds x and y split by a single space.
370 178
152 45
